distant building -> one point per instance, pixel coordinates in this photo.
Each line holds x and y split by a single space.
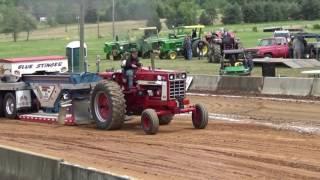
43 19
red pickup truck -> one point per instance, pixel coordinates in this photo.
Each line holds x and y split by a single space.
275 47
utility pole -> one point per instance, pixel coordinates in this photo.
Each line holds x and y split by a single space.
113 18
82 63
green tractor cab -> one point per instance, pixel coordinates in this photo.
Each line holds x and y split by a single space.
232 65
146 40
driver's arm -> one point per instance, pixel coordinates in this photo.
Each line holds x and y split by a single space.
139 65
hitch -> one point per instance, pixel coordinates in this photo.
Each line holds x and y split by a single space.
180 102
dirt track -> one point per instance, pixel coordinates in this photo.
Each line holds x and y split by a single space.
222 151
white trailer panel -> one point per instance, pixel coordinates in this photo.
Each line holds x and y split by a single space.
21 66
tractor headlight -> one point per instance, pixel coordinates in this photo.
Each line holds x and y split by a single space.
184 76
171 77
159 78
121 47
113 76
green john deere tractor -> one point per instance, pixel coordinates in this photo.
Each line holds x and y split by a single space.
147 41
173 46
136 39
170 48
116 49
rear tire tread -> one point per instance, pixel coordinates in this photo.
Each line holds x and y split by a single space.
118 105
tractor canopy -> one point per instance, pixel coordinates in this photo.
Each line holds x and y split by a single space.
182 31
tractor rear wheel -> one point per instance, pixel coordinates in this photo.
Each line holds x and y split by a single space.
107 56
9 106
108 106
195 48
150 121
217 56
146 55
200 117
165 119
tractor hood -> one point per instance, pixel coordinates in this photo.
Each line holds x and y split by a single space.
116 42
150 75
257 51
110 43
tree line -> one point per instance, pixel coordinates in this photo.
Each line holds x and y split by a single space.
268 11
23 15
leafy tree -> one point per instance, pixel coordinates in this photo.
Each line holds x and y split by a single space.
232 14
310 9
205 18
29 24
154 21
260 13
64 16
210 9
294 11
182 13
249 13
269 11
13 22
91 14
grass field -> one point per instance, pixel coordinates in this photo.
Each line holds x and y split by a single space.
52 41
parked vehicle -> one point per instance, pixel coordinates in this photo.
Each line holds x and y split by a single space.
196 33
217 44
116 50
235 62
275 47
279 47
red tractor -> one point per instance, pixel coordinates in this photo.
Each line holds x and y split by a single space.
220 41
157 96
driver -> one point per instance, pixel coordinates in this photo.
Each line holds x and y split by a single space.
132 63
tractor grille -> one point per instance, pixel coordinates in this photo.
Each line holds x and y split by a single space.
177 89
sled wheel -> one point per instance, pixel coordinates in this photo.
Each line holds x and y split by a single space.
1 106
9 104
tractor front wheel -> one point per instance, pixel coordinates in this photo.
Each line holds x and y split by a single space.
150 121
200 117
172 55
108 106
165 119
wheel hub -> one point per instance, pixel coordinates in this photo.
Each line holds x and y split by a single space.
10 106
102 108
146 122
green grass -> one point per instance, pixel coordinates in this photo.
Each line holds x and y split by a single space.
52 41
